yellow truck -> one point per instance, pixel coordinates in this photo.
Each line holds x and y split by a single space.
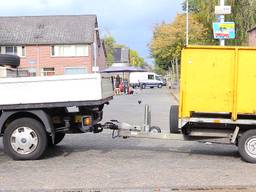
218 96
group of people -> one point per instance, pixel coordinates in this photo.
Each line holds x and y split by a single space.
121 86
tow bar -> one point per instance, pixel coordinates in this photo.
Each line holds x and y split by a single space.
126 130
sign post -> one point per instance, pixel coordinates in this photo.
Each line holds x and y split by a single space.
222 20
187 24
223 30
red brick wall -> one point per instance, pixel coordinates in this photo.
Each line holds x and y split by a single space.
41 56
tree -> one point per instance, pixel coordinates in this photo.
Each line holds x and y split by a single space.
135 59
158 70
109 45
203 11
169 39
243 14
119 46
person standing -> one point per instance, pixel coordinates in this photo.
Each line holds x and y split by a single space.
117 85
126 86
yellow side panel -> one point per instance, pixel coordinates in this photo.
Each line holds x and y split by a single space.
207 80
246 90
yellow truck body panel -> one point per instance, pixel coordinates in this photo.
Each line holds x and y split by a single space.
218 80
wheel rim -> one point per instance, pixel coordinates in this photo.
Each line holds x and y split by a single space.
154 131
250 147
24 140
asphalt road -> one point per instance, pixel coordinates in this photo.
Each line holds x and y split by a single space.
96 162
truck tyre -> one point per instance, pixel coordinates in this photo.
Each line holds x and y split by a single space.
247 146
11 60
59 136
25 139
174 118
154 129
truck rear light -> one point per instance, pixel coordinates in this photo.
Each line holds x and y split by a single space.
86 121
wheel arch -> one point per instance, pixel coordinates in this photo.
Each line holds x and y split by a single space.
40 115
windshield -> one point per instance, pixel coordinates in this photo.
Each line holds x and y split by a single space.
158 78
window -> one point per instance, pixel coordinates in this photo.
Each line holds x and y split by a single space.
32 72
23 52
48 71
69 50
26 72
52 51
150 77
158 78
81 50
13 50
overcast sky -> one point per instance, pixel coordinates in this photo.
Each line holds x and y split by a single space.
129 21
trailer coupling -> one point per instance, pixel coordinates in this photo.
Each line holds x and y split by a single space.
126 130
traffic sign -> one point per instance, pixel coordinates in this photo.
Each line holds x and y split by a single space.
222 10
224 30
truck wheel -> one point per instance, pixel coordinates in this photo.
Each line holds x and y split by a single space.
25 139
59 136
154 129
174 118
11 60
247 146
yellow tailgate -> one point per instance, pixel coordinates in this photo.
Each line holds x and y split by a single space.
246 90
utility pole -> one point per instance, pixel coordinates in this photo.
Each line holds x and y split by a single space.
187 23
222 20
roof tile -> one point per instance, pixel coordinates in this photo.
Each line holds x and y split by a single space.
66 29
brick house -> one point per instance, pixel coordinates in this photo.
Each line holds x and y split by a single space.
54 45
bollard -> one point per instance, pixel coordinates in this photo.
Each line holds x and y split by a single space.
147 119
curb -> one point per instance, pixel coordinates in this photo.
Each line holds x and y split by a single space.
175 96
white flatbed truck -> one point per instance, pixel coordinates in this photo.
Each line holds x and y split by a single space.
38 111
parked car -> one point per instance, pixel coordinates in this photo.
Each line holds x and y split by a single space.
145 79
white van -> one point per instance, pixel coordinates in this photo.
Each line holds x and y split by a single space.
145 79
